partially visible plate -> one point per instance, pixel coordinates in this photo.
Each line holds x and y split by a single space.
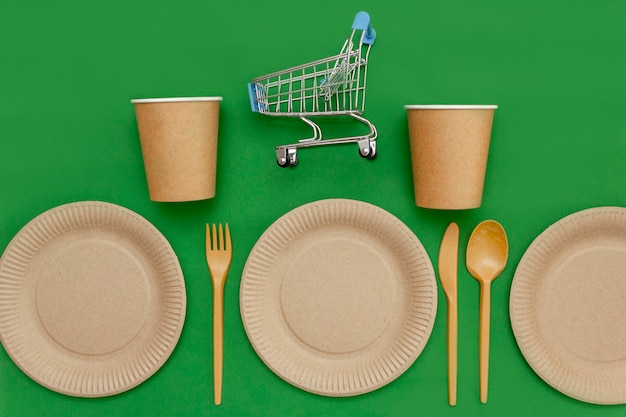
568 305
92 299
338 297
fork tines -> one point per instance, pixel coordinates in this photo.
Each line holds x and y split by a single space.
215 237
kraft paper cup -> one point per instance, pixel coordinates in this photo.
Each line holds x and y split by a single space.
449 150
179 145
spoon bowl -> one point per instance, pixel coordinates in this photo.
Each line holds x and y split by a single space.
487 251
486 257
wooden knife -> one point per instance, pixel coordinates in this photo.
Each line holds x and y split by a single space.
448 275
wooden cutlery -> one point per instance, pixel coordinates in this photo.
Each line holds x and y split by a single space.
219 253
448 270
486 258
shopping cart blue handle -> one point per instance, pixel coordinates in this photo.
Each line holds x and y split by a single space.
362 22
253 101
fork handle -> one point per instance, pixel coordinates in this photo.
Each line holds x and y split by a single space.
218 341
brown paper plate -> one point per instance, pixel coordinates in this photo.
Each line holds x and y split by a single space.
568 305
92 299
338 297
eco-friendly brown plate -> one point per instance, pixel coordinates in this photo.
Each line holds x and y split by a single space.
568 305
92 299
338 297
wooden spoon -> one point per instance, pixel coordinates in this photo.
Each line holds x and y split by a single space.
487 253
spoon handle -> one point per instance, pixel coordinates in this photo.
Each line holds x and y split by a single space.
483 341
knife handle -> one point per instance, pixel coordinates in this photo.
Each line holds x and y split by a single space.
453 324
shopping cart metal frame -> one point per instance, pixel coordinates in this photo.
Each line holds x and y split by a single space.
333 86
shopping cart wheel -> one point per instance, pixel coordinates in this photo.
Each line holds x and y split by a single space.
367 149
286 157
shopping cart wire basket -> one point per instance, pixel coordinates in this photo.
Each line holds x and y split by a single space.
333 86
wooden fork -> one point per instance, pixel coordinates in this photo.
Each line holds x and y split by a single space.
219 253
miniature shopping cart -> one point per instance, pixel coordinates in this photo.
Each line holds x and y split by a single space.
333 86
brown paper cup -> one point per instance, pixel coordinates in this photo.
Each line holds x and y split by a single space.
449 149
179 145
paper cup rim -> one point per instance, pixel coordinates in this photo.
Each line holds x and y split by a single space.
175 99
451 106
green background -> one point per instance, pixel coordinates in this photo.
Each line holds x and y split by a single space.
68 69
